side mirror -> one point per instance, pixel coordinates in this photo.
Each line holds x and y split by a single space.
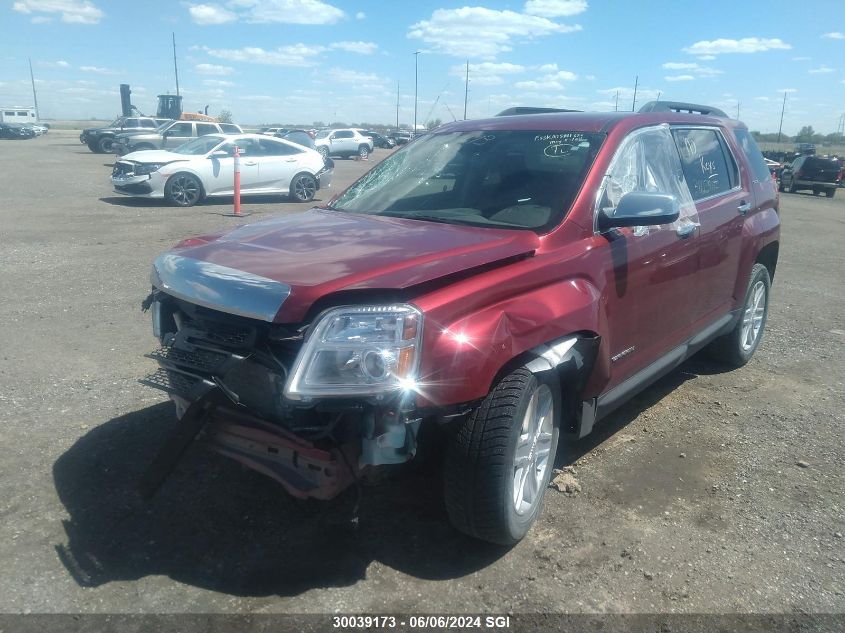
219 153
639 208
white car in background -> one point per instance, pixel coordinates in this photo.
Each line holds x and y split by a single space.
204 167
346 142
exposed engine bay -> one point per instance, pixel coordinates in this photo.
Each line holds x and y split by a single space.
227 376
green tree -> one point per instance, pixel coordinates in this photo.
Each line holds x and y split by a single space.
805 134
225 116
433 123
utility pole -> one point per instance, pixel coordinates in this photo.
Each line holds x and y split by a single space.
175 67
782 109
34 96
737 109
466 92
397 106
636 82
616 107
416 87
658 96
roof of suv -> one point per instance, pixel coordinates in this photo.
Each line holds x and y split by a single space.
582 121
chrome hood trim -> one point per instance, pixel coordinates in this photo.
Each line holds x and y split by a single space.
219 287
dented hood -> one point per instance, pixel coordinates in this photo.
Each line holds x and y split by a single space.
275 270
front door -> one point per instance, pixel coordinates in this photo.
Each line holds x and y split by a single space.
221 179
651 272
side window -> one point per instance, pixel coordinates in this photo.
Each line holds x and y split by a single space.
181 129
206 128
753 154
647 160
703 160
148 123
131 123
246 146
344 134
229 128
269 148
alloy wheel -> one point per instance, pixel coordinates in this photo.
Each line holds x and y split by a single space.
752 318
184 190
532 456
304 188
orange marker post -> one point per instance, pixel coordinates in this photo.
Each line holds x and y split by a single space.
237 181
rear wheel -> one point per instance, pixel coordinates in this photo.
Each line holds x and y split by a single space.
500 459
105 145
324 151
363 151
830 193
183 190
303 187
792 187
738 346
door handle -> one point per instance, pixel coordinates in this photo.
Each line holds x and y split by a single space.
686 230
290 160
744 208
250 163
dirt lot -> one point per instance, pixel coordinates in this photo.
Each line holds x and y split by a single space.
710 493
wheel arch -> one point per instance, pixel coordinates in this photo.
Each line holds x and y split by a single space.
768 256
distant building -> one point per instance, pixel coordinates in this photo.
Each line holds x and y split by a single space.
18 115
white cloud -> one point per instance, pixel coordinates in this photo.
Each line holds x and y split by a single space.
679 78
696 69
555 8
360 15
365 81
213 69
210 14
762 99
626 93
788 90
56 64
744 45
362 48
287 11
481 32
217 83
293 55
834 35
98 70
41 19
542 84
487 73
801 59
821 70
72 11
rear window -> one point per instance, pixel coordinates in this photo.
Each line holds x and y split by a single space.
499 179
820 163
228 128
753 154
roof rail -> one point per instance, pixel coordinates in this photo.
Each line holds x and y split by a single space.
680 106
531 110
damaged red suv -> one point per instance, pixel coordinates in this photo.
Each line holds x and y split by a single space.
509 280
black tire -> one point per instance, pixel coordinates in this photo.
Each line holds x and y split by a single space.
93 147
303 187
105 144
731 348
480 464
781 188
363 151
324 152
830 193
183 190
792 187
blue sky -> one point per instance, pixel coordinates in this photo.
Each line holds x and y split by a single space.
323 60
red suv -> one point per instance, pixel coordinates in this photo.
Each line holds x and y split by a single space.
509 281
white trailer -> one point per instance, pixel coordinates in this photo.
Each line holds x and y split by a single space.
18 114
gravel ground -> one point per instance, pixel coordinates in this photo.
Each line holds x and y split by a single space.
711 492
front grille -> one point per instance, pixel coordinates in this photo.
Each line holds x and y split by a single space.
231 335
177 382
198 359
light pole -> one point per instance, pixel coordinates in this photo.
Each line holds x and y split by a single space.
416 87
782 109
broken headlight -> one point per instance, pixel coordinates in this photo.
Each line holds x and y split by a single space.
142 169
358 351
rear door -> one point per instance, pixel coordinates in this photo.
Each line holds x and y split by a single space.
343 142
177 134
722 199
278 163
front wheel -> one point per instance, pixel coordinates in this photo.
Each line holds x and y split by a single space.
363 151
830 193
105 145
500 459
183 190
303 187
738 346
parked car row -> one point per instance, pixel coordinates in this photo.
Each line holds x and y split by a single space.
100 140
169 135
22 131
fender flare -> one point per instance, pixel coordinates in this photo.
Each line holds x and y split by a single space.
572 357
